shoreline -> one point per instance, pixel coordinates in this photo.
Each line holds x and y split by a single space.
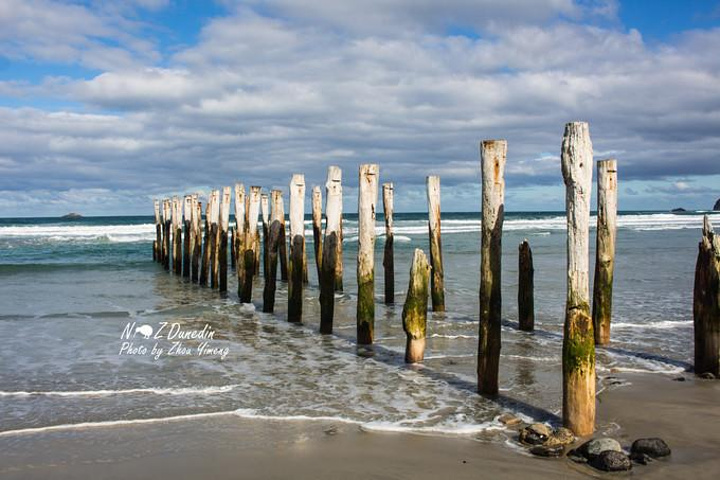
684 413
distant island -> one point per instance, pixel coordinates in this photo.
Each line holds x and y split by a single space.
72 216
678 210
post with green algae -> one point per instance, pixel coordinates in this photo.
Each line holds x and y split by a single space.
265 215
297 248
578 338
240 232
187 214
437 281
197 238
205 265
317 228
177 235
368 192
214 237
330 248
157 255
414 314
388 254
250 243
605 249
706 303
272 251
225 201
526 287
493 156
167 227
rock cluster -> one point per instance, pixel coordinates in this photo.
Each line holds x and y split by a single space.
607 454
545 441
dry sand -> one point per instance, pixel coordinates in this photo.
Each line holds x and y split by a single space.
686 414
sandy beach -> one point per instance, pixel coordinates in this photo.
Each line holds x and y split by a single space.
685 414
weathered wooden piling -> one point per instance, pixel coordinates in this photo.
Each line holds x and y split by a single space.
274 230
177 235
317 228
706 303
187 214
282 241
330 249
526 287
214 238
493 155
367 197
240 232
249 260
605 249
157 255
167 235
414 314
196 238
388 254
223 238
335 174
205 267
256 250
437 282
297 248
233 253
578 337
265 214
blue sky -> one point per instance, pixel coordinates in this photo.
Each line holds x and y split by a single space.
105 105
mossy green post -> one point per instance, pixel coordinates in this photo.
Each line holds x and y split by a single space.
414 314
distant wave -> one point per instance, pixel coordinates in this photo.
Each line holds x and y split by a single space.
104 393
145 232
662 325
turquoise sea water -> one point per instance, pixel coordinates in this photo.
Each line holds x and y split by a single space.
69 289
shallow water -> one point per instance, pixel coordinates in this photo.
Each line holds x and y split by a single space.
69 289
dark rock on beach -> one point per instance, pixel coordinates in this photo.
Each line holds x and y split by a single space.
535 434
717 205
560 437
612 461
707 376
653 447
593 448
640 458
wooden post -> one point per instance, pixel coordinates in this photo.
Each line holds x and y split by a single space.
437 282
605 250
233 253
317 228
240 232
167 228
414 314
157 256
330 249
706 303
297 248
177 235
253 210
205 267
214 237
187 213
256 250
367 196
388 254
282 241
526 286
578 337
278 218
223 240
493 154
334 175
265 214
197 238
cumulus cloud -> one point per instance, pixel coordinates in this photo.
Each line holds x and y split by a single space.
269 91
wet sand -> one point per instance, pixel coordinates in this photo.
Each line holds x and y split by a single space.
686 414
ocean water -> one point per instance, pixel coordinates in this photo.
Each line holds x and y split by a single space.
71 290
